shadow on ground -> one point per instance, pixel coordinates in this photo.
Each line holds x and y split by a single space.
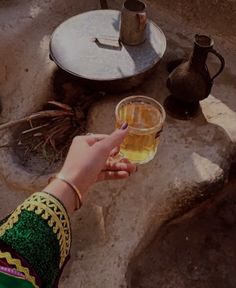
199 252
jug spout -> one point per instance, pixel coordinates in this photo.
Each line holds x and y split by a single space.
203 41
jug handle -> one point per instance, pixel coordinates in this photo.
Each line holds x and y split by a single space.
142 18
222 61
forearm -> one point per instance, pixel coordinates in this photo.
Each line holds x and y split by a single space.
64 193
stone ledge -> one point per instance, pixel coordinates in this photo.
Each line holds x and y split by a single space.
193 159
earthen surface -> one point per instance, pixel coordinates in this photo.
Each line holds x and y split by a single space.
119 219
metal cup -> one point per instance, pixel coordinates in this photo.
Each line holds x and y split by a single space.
133 22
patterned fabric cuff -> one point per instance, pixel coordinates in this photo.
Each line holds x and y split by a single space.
39 230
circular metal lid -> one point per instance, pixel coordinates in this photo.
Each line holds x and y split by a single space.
87 46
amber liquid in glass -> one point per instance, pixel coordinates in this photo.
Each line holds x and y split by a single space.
140 145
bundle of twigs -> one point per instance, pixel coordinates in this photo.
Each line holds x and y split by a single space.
48 132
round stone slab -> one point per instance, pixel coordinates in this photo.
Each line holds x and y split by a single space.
87 45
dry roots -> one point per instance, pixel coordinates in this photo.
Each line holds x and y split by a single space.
49 132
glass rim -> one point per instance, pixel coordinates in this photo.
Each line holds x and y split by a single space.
158 127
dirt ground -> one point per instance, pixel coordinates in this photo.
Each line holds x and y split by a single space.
119 218
199 252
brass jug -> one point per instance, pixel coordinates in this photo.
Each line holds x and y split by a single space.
191 81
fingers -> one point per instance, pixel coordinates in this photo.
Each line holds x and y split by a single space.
88 140
93 138
125 160
113 140
115 151
112 175
121 166
110 143
117 170
98 148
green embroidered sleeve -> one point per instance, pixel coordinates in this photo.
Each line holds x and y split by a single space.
39 231
7 281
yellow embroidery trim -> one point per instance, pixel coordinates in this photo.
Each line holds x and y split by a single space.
19 267
49 208
10 221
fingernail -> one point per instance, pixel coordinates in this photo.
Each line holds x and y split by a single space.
124 126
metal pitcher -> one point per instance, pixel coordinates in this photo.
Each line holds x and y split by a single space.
133 22
191 81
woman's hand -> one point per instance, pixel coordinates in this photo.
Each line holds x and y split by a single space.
89 160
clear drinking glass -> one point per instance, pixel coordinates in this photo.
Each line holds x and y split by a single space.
145 117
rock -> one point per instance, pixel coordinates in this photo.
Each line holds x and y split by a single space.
120 218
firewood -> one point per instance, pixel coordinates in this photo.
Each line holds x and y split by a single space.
36 116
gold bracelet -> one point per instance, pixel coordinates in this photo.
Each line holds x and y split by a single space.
61 177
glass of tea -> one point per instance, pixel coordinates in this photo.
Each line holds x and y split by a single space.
145 117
